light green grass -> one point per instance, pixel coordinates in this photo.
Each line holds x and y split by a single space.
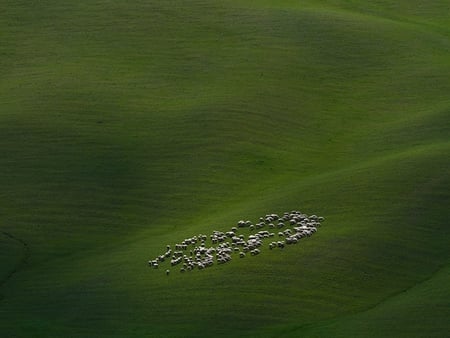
125 126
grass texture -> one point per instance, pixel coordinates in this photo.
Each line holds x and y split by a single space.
129 125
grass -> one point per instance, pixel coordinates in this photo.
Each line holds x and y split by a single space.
127 126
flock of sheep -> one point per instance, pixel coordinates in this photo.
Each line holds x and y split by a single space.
202 251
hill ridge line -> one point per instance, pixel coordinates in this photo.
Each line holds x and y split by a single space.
370 308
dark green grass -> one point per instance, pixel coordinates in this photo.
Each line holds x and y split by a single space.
125 126
420 311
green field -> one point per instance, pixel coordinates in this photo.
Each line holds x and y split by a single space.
129 125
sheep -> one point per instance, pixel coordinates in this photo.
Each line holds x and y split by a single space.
236 239
178 254
291 240
300 235
167 272
296 226
211 250
175 261
254 252
253 243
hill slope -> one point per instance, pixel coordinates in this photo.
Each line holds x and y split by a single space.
126 126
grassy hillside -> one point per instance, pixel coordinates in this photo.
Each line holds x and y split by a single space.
126 126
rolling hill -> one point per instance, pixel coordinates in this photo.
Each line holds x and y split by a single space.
129 125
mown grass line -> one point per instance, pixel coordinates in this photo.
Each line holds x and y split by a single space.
21 263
